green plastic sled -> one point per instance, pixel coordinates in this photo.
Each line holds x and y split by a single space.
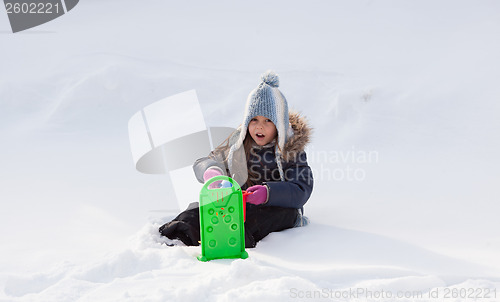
221 221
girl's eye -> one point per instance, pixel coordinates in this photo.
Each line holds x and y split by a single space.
268 120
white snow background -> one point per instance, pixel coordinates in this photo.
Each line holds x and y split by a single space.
414 82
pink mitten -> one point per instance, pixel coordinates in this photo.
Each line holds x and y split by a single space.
258 196
211 173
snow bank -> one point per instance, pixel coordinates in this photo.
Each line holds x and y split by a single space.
285 265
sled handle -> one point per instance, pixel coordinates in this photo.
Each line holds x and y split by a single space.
235 186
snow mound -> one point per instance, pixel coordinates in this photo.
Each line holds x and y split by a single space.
283 265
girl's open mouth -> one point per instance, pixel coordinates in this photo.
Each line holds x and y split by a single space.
260 135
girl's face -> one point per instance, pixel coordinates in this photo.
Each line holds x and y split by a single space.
262 130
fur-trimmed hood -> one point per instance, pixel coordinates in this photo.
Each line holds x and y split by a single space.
301 136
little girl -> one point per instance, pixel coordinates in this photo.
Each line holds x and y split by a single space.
266 156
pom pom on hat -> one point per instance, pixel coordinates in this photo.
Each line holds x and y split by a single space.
270 78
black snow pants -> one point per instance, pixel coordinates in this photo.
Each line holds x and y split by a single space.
260 221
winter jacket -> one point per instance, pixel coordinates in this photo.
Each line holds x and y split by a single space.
298 185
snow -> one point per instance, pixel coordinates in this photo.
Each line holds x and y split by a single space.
403 96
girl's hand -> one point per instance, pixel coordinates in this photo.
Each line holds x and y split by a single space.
259 195
211 173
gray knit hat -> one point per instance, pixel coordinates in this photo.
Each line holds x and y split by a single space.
266 100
